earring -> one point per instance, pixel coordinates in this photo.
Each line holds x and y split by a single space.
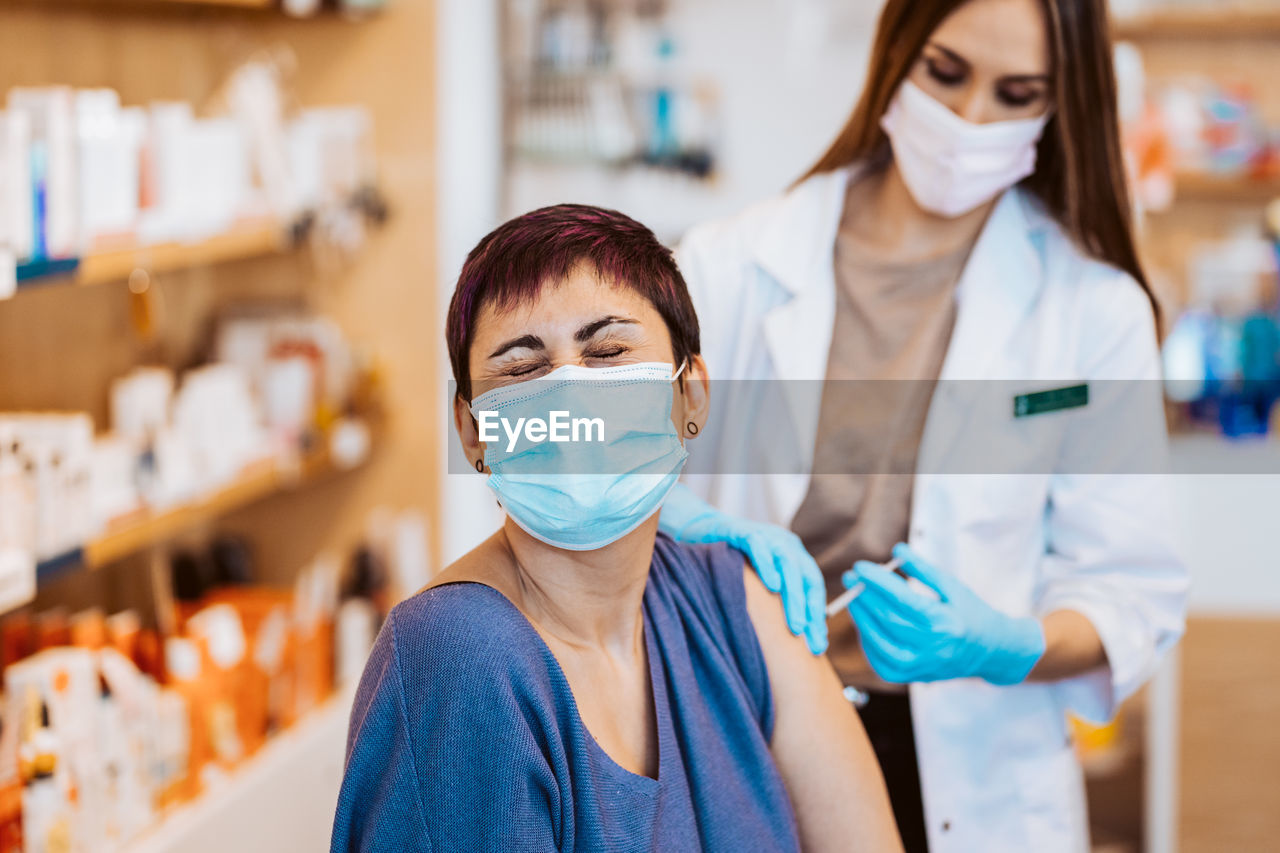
692 428
480 465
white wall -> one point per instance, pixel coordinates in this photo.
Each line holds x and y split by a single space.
469 141
788 73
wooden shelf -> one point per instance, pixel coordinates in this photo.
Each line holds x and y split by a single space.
176 6
144 529
1204 186
248 240
134 5
1204 23
245 241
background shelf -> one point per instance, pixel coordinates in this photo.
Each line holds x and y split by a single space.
248 240
1206 186
137 532
1199 24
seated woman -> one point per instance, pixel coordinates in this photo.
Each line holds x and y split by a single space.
580 681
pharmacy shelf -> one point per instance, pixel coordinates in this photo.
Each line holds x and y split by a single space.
1206 23
145 529
230 6
238 4
1202 186
247 240
283 798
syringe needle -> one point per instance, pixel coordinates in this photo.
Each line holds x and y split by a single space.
842 601
845 598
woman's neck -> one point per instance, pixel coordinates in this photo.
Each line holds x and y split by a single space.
585 599
881 212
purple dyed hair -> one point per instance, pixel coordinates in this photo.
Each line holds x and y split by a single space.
512 263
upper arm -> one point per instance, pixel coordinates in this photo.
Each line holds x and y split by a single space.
380 803
818 742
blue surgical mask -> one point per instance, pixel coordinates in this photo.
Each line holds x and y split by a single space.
619 457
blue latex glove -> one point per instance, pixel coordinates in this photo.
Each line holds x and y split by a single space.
910 637
777 554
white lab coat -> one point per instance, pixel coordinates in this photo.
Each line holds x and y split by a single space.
996 764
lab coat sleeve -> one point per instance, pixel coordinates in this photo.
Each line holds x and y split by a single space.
1110 554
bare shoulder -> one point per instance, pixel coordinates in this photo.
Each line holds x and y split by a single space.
484 564
786 655
818 742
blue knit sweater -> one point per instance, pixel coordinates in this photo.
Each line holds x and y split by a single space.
465 735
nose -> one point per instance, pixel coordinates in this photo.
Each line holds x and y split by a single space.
970 107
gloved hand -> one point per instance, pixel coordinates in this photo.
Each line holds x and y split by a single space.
910 637
777 554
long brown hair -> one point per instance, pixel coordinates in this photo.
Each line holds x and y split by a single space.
1080 176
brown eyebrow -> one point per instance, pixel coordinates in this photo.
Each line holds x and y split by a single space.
583 335
1011 78
522 342
589 331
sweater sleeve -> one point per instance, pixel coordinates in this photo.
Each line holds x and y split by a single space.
711 577
447 749
380 802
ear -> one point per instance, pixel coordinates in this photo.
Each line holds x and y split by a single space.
468 431
695 397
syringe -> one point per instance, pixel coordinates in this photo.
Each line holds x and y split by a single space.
843 600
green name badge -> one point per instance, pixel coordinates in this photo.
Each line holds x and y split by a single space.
1054 400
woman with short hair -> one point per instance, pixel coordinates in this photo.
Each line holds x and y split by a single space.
579 681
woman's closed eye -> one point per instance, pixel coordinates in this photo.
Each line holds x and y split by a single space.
606 351
523 368
946 72
1018 97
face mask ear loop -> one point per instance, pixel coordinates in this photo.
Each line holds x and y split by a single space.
683 365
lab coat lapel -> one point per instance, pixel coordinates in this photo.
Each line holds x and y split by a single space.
996 292
797 252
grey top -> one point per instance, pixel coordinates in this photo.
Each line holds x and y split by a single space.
892 327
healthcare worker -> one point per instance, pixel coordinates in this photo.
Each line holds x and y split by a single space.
970 222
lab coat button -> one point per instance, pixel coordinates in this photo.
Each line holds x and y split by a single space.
946 826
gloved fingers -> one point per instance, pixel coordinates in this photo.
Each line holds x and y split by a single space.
815 637
799 562
922 571
700 530
761 556
816 596
897 594
890 663
871 613
793 594
685 516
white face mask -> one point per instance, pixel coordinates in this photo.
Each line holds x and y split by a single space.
951 166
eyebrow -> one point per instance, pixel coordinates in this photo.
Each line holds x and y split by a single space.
522 342
1008 78
584 334
589 331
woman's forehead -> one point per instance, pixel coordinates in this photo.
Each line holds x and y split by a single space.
1004 36
563 307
